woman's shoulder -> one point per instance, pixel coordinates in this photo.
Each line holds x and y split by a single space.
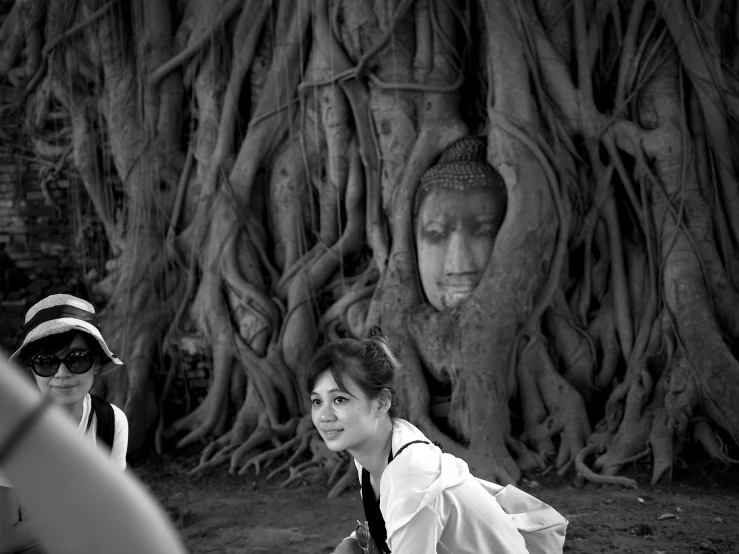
117 411
405 432
412 479
407 438
421 464
120 417
415 457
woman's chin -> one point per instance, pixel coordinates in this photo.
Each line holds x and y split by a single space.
333 446
65 399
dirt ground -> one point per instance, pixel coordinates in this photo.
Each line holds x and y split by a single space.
696 513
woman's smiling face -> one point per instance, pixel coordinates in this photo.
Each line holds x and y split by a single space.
65 388
346 420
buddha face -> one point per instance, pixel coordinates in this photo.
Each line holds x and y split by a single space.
455 233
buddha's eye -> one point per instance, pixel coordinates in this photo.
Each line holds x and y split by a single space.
486 230
435 232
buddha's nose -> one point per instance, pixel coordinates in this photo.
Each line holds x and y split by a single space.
459 259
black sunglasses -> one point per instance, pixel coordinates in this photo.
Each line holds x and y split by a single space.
77 361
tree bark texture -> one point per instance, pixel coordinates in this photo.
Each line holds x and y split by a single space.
270 153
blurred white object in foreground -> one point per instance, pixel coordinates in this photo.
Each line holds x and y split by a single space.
77 500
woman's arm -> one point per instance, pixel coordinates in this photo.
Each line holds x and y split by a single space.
120 439
349 545
420 535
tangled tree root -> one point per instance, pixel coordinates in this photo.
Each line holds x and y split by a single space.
584 471
526 460
350 476
323 462
712 442
304 432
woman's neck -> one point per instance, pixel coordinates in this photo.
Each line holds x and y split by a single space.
374 453
75 410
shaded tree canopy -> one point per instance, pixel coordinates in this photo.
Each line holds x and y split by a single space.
268 155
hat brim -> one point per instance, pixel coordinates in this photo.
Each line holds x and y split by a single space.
62 325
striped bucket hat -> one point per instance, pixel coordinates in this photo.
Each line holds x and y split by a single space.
60 313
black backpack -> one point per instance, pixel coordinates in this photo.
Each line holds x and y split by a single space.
106 420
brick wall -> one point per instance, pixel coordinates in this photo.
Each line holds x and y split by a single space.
51 241
50 237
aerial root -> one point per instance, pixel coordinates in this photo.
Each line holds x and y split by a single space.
584 471
636 457
526 459
323 461
265 432
712 442
309 474
202 421
302 447
565 467
350 476
335 472
216 453
269 456
322 464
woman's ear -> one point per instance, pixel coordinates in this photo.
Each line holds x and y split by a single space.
384 401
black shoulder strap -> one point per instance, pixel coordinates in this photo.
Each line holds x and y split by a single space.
106 420
375 521
407 445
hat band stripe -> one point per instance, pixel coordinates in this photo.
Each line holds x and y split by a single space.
58 312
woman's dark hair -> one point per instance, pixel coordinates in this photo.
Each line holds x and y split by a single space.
370 363
54 343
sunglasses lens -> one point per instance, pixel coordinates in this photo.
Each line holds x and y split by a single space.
45 366
79 361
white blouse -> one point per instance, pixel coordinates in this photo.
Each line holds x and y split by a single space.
431 503
120 436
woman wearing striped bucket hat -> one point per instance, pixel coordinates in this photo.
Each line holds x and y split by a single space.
65 351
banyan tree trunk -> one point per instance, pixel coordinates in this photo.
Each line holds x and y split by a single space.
254 165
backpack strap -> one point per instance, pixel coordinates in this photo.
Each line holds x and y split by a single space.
105 419
375 521
407 445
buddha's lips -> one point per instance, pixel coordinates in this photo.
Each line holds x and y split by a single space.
453 296
458 286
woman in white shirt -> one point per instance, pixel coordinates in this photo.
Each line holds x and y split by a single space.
65 352
417 499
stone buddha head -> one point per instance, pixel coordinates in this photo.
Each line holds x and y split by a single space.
458 210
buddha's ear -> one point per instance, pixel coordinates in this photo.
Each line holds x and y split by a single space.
384 401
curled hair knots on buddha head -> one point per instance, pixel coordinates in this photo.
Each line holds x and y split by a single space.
462 166
369 363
